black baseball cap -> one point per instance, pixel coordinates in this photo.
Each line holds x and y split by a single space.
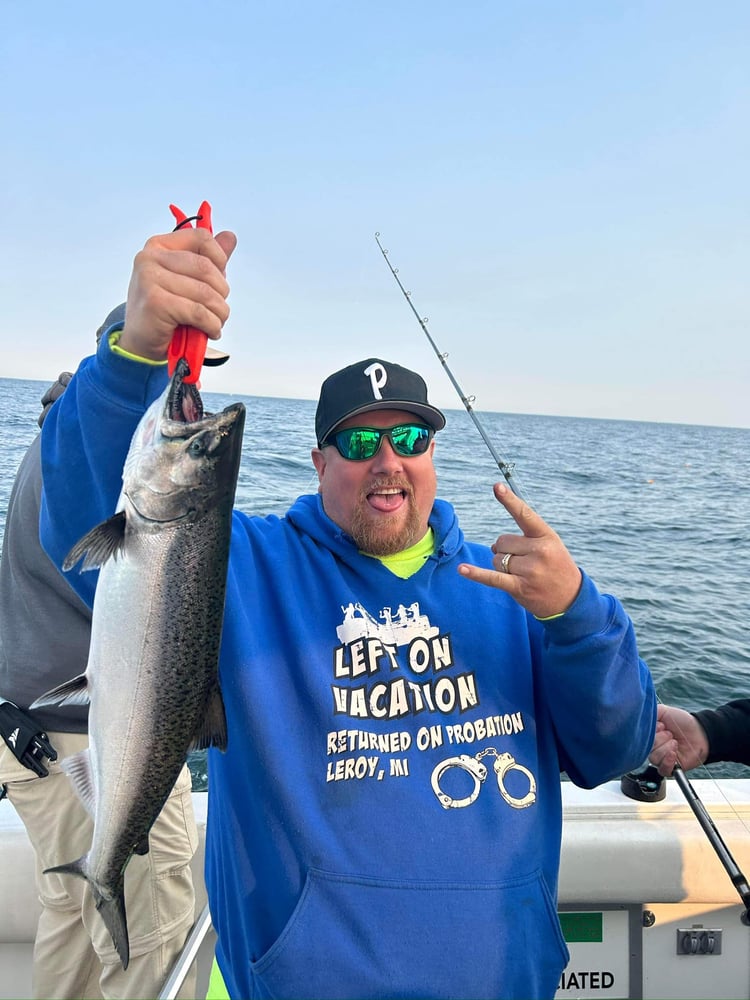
373 384
114 318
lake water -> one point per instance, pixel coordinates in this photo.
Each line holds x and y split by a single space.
658 514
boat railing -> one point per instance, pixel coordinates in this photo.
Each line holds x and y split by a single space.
187 956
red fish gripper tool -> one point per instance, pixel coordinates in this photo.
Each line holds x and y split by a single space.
187 342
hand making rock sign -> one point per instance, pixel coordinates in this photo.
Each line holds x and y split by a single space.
535 568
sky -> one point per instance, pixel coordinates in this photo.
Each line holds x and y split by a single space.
563 187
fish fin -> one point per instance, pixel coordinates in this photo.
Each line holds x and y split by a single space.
73 692
112 910
74 868
212 731
97 545
78 769
113 915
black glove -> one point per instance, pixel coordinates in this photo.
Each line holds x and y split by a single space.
54 392
25 740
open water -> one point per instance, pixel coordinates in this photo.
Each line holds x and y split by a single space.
658 514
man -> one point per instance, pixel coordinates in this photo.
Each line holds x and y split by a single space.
386 819
705 737
44 638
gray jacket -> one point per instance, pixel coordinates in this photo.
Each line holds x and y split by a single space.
44 625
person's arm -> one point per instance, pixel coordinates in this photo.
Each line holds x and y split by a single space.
595 688
728 731
598 691
178 279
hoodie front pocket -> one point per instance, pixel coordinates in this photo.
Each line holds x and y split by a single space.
362 937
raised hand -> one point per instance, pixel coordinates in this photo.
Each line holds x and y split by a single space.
535 567
178 279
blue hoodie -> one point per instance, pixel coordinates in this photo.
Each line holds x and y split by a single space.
386 820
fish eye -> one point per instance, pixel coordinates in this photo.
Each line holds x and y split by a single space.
196 448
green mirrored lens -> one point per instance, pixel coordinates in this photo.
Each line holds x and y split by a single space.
410 439
357 444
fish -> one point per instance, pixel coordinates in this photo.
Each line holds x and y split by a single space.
151 678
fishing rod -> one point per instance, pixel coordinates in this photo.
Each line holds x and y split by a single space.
717 842
701 813
506 468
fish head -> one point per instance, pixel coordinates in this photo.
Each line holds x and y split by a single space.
183 462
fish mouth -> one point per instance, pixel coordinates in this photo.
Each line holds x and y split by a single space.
184 414
184 404
183 462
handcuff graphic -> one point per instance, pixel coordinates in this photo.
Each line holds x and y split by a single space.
504 762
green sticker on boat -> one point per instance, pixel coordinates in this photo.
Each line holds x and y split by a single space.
581 927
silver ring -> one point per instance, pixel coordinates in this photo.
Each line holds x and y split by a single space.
505 564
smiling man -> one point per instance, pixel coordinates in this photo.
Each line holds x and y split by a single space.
386 819
374 458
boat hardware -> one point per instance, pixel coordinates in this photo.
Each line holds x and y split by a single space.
187 956
506 468
646 785
699 940
722 851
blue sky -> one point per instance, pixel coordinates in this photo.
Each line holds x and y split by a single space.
562 185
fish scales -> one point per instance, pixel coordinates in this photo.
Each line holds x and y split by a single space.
152 674
167 696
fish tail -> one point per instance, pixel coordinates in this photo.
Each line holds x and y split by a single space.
112 908
113 915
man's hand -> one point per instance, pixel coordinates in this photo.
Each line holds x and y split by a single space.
178 279
679 738
540 573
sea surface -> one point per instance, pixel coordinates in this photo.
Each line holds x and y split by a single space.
658 514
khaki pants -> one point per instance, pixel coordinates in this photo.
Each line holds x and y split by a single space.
73 952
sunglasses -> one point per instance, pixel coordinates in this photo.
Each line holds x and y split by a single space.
357 444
